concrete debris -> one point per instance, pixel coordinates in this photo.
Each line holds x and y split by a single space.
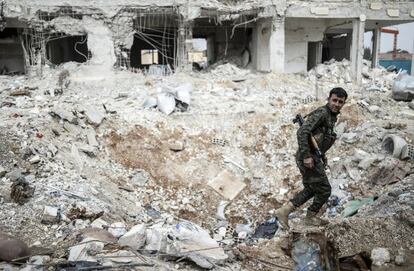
64 115
50 215
117 229
134 238
85 251
90 161
93 115
186 240
227 185
380 256
401 257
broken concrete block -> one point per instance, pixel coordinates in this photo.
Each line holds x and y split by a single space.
100 224
350 138
72 129
227 185
117 229
52 148
93 115
134 238
380 256
176 146
12 248
64 115
14 175
34 160
401 257
50 215
85 250
88 149
91 136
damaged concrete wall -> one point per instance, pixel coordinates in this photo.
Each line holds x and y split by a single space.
298 33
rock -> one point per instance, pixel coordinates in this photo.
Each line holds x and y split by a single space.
227 185
85 250
93 115
12 248
176 146
134 238
14 175
100 224
72 129
91 136
52 148
34 160
2 172
117 229
50 215
380 256
350 137
64 115
88 149
401 257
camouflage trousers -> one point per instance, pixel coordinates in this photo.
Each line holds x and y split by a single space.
316 186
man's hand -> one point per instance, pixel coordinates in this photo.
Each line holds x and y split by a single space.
308 162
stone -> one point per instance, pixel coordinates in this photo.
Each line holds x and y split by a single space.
350 137
93 115
72 129
117 229
85 251
176 146
50 215
401 257
100 224
2 171
64 115
14 175
380 256
227 185
35 159
91 136
91 151
134 238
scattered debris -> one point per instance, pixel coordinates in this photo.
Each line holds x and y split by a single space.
227 185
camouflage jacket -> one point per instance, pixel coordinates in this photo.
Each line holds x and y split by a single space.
319 123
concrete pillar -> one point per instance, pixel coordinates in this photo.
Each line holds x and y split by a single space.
277 45
357 49
376 46
269 45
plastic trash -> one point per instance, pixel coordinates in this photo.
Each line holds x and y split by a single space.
267 229
165 103
306 255
403 88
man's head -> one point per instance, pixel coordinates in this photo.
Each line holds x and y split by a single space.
336 99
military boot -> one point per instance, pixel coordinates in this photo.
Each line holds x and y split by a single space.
282 214
312 219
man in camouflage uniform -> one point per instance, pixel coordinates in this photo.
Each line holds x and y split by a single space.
319 123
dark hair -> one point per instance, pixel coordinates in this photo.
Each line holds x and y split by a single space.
340 92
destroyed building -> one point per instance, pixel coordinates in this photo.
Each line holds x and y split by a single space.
280 36
158 135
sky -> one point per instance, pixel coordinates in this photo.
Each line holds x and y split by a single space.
405 38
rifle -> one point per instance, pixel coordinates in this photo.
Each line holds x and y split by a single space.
299 119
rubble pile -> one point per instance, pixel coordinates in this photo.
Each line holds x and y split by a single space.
112 168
